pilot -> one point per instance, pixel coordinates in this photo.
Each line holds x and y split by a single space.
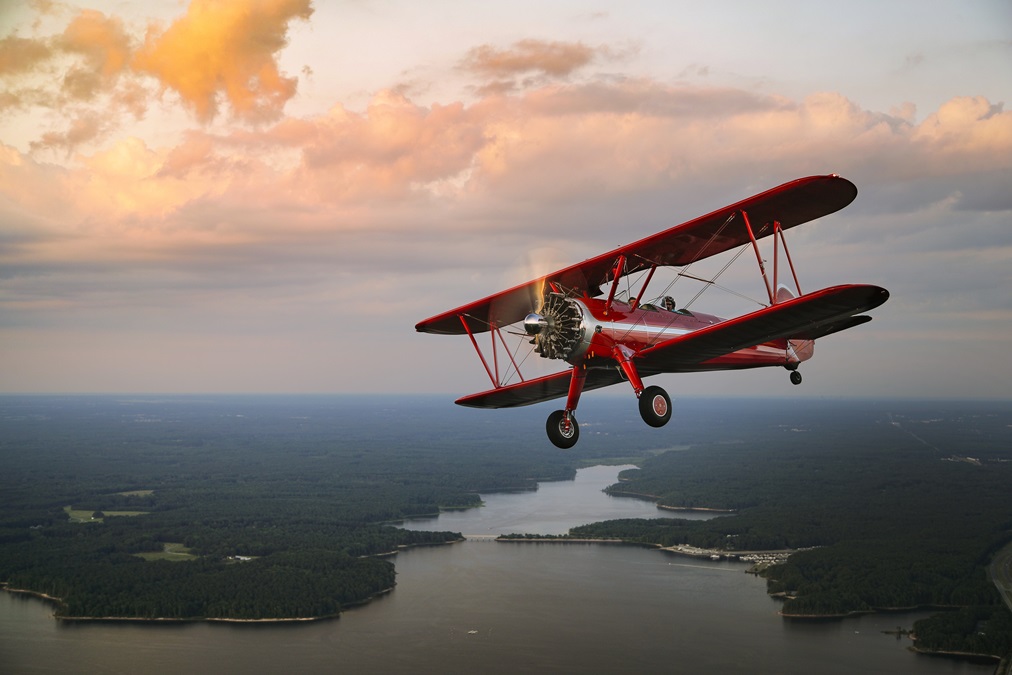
669 303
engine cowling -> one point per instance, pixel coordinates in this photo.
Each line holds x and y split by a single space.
557 327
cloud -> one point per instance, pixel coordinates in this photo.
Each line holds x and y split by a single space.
226 50
420 207
217 56
530 63
557 59
20 55
640 145
106 50
411 191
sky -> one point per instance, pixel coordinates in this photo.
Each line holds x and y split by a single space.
267 195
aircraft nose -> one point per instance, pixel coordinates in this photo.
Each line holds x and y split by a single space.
534 323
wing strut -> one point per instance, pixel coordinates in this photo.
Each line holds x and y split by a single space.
478 350
758 257
516 368
779 230
616 275
643 288
778 237
497 381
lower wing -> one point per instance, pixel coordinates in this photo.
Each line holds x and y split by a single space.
806 317
541 389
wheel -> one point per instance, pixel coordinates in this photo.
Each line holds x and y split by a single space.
655 406
795 377
561 434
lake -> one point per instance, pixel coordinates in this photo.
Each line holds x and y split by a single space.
502 608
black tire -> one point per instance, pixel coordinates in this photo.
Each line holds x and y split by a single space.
558 433
655 406
795 377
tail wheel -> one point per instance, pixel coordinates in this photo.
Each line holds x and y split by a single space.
563 431
655 406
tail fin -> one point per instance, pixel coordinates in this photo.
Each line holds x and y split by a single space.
784 294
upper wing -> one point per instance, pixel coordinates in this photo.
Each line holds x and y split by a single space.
790 204
808 316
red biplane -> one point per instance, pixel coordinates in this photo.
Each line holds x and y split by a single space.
575 316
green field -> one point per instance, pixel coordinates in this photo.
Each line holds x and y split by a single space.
173 551
87 516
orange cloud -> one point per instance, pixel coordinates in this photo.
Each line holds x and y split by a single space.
105 46
398 163
557 59
217 55
20 55
529 63
81 130
226 50
394 149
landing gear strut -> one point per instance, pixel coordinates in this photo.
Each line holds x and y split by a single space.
655 406
563 431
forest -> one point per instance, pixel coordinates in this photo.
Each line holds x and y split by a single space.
283 506
904 512
251 507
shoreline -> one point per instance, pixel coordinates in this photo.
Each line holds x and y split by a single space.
654 498
700 509
961 656
195 619
45 597
567 540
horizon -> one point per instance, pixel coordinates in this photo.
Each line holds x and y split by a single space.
449 397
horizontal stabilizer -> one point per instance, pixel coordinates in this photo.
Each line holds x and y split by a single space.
832 327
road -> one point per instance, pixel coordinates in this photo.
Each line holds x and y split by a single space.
1001 573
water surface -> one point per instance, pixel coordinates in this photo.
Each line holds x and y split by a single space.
502 608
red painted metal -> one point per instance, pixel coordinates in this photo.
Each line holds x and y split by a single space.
700 342
608 340
643 288
789 261
758 257
495 353
616 276
467 329
576 382
618 352
776 259
792 204
509 353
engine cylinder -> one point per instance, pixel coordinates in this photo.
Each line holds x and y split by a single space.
559 327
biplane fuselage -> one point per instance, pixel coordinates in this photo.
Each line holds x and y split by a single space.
637 328
573 315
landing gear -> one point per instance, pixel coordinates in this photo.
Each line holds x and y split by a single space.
655 406
795 377
563 431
